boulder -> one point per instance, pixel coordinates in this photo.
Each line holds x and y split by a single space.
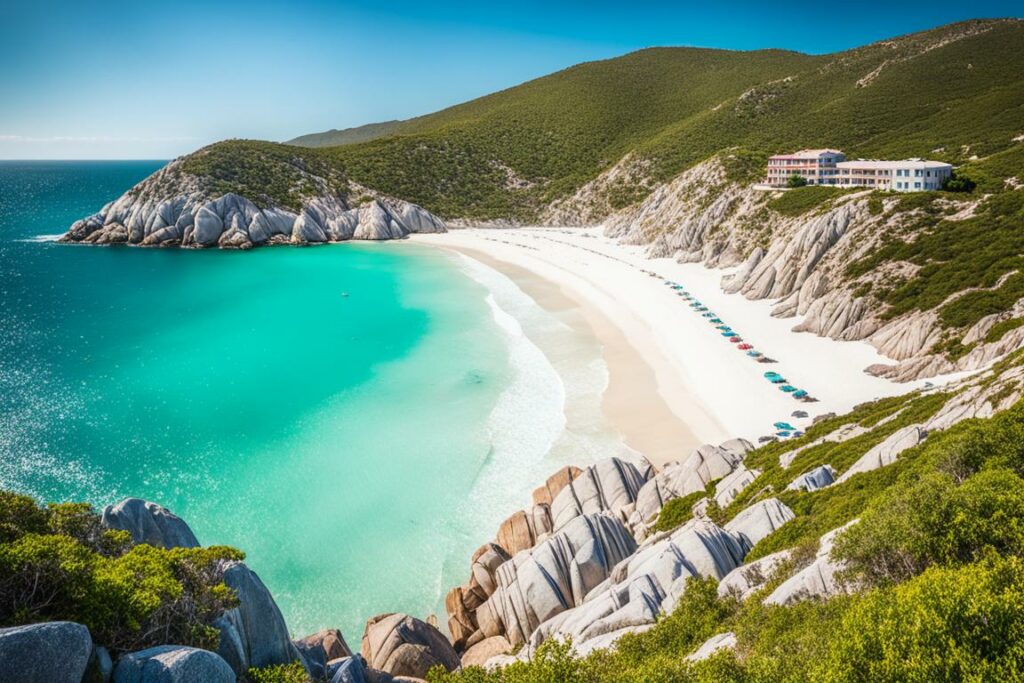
732 484
554 576
702 467
405 646
546 493
172 664
748 578
52 652
647 583
608 485
818 478
349 669
376 222
331 641
254 633
524 528
149 523
712 645
486 649
820 579
886 452
757 521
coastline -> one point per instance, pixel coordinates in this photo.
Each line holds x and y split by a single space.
674 382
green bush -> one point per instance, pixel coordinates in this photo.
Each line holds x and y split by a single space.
934 521
292 672
59 563
677 511
796 180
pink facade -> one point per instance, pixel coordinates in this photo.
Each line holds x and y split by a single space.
817 166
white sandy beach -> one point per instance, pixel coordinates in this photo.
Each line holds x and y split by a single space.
674 381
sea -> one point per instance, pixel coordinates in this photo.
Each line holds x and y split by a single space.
357 418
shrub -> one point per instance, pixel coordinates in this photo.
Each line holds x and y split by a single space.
292 672
677 511
59 563
963 624
935 521
796 180
958 183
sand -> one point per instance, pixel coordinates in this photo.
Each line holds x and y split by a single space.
674 381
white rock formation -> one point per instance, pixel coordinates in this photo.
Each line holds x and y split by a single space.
818 478
886 452
750 577
607 486
752 524
817 580
171 208
721 641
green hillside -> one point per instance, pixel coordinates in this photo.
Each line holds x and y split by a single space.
347 136
950 93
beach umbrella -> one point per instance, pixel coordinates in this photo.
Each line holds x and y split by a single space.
770 374
798 433
754 354
784 425
744 347
728 333
782 435
800 394
735 340
787 388
777 380
715 320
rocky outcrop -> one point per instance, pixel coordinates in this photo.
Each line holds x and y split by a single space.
54 652
607 486
486 649
705 465
172 664
721 641
818 478
886 452
330 640
752 524
462 601
149 523
820 579
254 633
171 208
746 579
404 646
556 575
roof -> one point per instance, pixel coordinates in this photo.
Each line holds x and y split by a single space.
882 163
807 154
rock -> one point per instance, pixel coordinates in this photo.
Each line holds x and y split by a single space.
101 666
462 602
554 576
748 578
253 634
51 652
712 645
818 478
172 664
485 650
608 485
732 484
757 521
523 529
346 670
404 646
331 641
173 208
705 465
642 586
149 523
886 452
820 579
313 657
546 494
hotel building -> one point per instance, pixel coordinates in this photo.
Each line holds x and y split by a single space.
829 167
818 166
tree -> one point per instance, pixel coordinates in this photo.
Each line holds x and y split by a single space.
796 180
958 183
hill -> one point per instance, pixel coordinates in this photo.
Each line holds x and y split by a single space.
347 136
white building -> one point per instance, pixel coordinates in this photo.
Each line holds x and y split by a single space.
909 175
817 166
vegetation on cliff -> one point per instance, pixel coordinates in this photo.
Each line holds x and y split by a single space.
935 569
59 563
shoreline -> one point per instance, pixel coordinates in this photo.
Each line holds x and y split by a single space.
674 382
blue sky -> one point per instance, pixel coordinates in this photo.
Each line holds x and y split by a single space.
155 80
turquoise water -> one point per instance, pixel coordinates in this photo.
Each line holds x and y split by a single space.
342 441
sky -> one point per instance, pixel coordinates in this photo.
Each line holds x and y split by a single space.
94 79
